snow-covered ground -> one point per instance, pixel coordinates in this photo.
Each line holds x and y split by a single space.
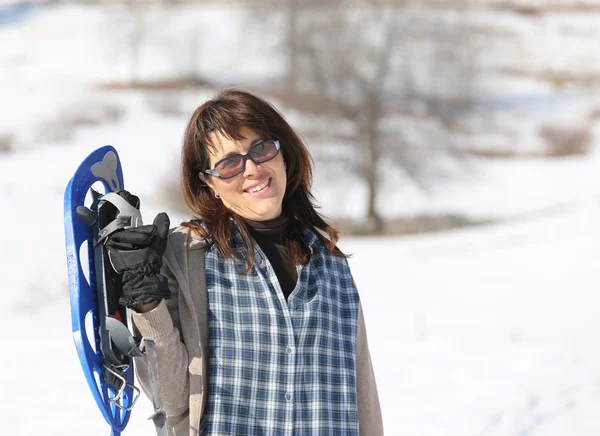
486 331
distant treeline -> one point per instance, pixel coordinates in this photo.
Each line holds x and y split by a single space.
524 7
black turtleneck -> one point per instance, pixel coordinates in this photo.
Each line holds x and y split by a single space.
271 236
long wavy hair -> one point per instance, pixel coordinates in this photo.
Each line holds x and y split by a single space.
227 113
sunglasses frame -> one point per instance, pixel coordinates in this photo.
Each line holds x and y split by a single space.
214 172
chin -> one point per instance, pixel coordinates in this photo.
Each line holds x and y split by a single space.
268 213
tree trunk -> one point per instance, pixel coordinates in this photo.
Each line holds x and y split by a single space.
374 221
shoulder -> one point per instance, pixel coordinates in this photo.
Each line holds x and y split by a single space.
183 247
182 238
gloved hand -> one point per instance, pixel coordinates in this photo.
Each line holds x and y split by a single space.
136 253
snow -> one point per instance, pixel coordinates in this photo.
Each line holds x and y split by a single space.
481 331
494 326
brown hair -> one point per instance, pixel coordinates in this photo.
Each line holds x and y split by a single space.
227 113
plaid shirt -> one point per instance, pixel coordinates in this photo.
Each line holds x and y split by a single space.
281 367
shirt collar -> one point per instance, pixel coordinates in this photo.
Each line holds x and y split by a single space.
310 238
236 242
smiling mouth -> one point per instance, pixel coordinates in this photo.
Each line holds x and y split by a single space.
260 187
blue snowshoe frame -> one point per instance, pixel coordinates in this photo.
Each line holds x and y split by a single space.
102 165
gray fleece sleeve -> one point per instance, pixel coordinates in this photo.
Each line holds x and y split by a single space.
369 410
162 324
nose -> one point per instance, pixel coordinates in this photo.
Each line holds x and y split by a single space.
251 168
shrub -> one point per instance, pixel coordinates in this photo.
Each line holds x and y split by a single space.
566 140
6 143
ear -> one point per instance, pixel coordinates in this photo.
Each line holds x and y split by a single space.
205 180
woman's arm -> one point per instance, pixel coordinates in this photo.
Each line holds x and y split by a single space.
369 410
162 324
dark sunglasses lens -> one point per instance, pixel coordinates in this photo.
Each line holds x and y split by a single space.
230 167
264 151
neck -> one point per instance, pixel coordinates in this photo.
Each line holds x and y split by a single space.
272 226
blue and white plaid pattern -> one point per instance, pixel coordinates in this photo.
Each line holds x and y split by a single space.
280 367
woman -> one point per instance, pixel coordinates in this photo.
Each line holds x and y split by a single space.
263 332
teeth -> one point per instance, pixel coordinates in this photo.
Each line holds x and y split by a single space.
259 187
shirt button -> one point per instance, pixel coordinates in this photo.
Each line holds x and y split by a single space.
289 350
295 306
288 397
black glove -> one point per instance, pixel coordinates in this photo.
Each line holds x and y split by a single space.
136 253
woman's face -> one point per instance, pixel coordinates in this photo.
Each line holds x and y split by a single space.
238 193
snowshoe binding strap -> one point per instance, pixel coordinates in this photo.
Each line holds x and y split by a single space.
127 216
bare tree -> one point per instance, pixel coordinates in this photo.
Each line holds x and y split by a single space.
131 33
400 74
134 24
292 18
182 46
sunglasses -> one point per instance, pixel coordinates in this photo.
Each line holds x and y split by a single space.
233 165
